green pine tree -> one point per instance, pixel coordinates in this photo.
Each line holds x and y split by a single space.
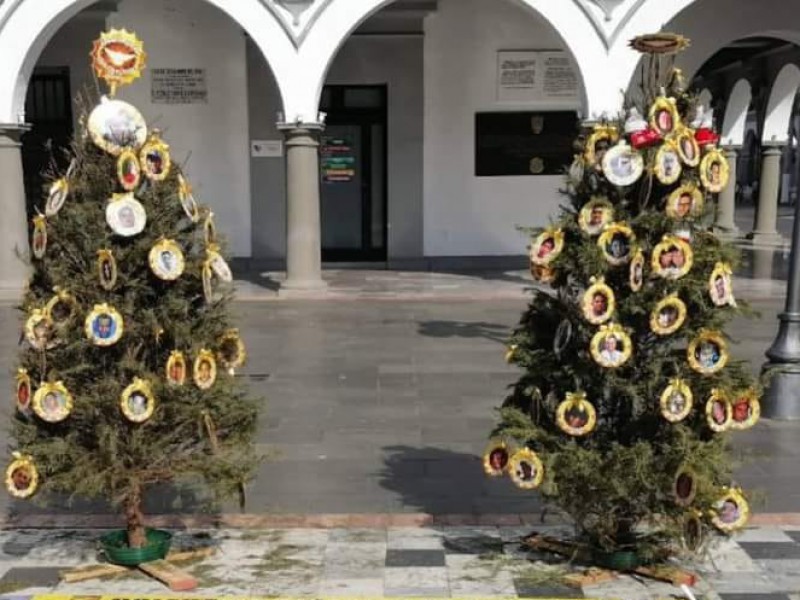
636 479
193 434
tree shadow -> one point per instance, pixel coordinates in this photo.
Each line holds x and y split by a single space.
478 329
444 482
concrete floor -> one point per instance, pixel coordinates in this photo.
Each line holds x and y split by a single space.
385 405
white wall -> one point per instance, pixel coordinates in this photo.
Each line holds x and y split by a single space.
193 34
465 215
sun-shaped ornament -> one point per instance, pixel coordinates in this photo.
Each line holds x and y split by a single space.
118 58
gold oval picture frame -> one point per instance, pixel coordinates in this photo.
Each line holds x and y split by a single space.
543 274
576 416
623 165
186 198
39 329
687 147
166 260
547 246
22 478
231 353
39 237
209 229
106 269
668 315
526 469
56 197
155 159
676 401
598 303
667 166
595 216
664 116
175 371
714 171
636 274
204 371
24 391
686 202
218 264
599 142
616 243
719 411
129 173
611 346
720 285
137 401
104 325
672 258
707 353
61 308
125 215
745 410
52 402
496 458
115 125
684 486
731 512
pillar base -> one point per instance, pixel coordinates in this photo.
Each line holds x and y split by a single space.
782 397
767 238
303 285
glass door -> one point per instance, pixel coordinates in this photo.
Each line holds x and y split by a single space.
352 174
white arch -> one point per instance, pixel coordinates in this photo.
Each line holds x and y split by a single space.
779 107
340 19
735 119
27 25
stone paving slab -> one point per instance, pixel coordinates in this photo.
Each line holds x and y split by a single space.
392 562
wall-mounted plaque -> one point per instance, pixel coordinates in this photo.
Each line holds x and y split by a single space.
178 86
524 143
536 76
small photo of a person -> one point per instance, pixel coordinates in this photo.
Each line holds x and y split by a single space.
599 304
729 512
664 120
718 412
669 163
21 478
596 217
23 395
155 162
126 217
104 326
720 288
714 175
600 149
498 459
622 166
38 241
576 418
176 371
683 206
546 247
742 410
619 247
204 372
676 403
688 148
137 404
672 260
637 273
167 261
41 331
525 471
707 354
667 316
611 349
52 403
106 269
684 485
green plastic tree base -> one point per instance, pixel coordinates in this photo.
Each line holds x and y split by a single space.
115 547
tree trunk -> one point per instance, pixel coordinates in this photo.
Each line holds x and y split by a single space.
135 519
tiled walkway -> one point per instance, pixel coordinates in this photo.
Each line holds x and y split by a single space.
429 562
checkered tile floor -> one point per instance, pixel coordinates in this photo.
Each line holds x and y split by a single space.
761 564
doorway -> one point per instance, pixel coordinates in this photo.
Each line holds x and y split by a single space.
353 182
48 108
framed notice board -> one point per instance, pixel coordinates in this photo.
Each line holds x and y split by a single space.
524 143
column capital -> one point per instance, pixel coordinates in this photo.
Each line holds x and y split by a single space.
300 128
773 148
10 133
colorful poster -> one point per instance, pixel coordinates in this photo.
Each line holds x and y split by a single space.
337 160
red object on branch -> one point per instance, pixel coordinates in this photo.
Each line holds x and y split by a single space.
706 136
645 138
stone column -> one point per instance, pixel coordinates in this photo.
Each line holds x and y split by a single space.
14 245
303 233
766 231
725 222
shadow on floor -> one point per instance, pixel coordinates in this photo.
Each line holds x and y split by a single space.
479 329
438 481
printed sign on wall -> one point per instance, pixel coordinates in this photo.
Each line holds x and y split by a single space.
536 76
337 160
178 86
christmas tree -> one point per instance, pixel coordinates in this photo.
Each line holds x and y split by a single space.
127 378
621 414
